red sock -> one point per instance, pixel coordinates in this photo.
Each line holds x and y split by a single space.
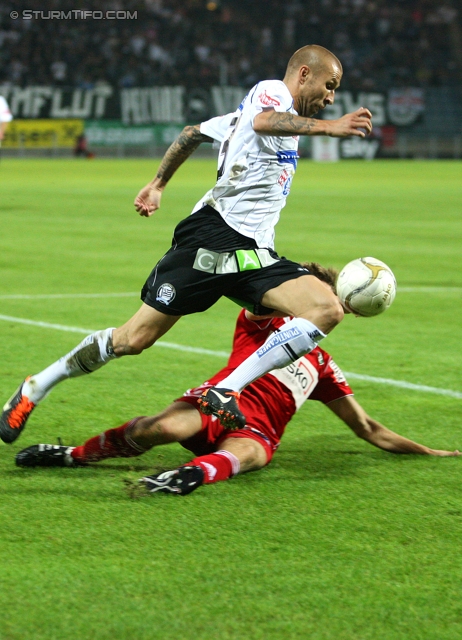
217 466
113 443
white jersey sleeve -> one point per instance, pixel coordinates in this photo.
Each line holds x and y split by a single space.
254 171
216 128
5 113
270 95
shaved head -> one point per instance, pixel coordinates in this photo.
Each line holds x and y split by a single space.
314 56
312 77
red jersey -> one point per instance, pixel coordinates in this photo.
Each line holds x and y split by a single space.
270 402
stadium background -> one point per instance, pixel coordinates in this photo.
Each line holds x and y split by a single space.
132 80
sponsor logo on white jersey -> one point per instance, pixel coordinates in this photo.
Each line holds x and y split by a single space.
264 98
288 157
300 378
285 180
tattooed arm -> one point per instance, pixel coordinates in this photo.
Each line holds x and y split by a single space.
277 123
148 199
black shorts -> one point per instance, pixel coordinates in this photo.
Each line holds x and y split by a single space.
208 259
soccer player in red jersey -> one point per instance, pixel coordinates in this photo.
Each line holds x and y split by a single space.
269 403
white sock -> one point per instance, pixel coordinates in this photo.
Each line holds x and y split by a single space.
88 356
293 340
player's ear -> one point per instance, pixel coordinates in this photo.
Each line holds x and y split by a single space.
303 73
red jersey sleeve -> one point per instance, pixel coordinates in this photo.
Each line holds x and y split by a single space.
332 383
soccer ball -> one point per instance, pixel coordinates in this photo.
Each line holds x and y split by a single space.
366 287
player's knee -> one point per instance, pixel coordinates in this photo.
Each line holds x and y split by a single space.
334 312
138 343
126 343
166 426
326 314
251 454
255 457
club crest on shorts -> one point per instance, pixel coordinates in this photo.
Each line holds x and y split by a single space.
166 293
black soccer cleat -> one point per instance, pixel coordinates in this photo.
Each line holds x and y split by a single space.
181 481
46 455
224 404
14 416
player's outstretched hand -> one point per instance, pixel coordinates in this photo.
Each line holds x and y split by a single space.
358 123
443 454
148 200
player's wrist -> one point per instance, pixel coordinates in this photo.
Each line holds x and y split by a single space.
158 184
323 128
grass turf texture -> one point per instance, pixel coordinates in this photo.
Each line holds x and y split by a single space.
335 539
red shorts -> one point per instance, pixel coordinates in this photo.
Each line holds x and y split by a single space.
213 433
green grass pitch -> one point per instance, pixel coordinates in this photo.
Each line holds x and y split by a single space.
335 539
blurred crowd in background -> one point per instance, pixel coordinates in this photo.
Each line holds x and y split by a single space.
381 43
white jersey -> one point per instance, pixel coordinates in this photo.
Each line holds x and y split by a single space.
5 113
254 171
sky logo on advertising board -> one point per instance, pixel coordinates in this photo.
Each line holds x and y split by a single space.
278 338
288 157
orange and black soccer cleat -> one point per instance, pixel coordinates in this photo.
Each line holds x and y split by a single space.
224 404
15 414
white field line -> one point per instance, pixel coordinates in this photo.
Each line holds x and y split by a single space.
429 290
63 327
223 354
129 294
405 385
46 296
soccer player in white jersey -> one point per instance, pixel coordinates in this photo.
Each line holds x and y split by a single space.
269 404
226 247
